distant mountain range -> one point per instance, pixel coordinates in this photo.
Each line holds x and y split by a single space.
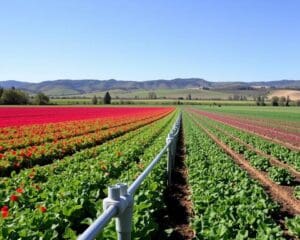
64 87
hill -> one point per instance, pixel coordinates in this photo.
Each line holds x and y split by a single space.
67 87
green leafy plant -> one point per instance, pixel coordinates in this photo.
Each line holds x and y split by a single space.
297 192
280 175
259 162
293 225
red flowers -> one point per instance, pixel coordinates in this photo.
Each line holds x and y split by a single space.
4 211
14 198
20 190
43 209
28 154
28 116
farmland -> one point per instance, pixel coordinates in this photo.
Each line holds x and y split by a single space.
242 167
240 159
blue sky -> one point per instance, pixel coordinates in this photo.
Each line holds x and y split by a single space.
219 40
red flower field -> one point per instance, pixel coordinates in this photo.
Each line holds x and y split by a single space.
17 116
38 135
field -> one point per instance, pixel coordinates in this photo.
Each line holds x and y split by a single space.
236 175
226 144
200 94
150 102
293 94
167 93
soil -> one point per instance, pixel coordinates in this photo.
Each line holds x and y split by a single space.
178 211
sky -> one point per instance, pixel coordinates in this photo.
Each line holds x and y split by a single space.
218 40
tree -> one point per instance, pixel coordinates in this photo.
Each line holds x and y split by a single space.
41 99
189 97
282 101
275 101
288 100
14 96
1 91
260 101
236 97
107 98
152 95
94 100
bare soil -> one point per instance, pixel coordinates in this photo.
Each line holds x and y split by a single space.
179 209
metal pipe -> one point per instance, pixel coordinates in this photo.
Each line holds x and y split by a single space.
94 229
117 195
133 187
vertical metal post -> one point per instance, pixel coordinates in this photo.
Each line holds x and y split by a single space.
169 141
173 149
124 220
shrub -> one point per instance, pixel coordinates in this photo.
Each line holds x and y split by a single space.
14 96
41 99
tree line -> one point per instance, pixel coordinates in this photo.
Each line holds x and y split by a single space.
15 96
276 101
106 99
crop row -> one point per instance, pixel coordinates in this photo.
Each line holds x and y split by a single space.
280 152
227 203
46 153
288 139
277 174
148 199
290 127
280 116
59 200
22 116
38 134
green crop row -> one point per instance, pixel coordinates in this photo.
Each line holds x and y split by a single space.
280 152
277 174
149 197
227 203
271 114
59 200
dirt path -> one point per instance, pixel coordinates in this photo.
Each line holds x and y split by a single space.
281 194
177 199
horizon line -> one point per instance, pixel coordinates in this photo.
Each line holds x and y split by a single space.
160 79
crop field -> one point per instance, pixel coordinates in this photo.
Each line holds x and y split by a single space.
244 172
236 174
54 175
